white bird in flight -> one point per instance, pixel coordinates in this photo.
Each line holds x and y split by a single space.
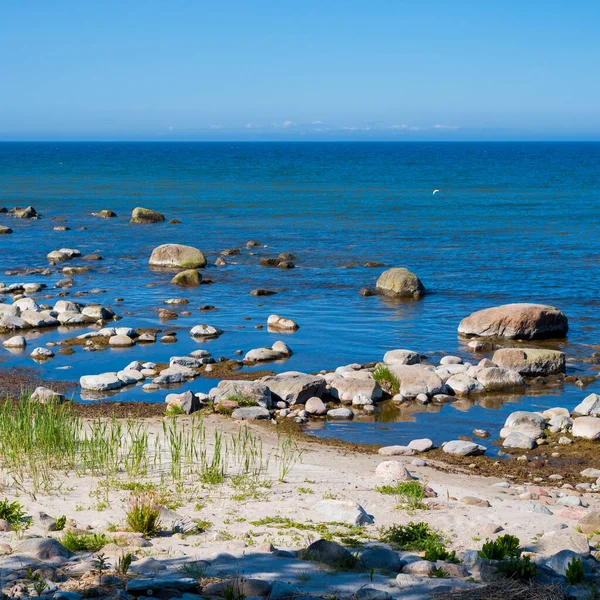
435 192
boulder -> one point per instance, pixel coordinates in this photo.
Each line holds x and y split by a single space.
277 323
294 387
464 385
328 552
145 215
497 379
188 402
415 380
315 406
531 362
516 321
232 389
396 451
5 230
463 448
41 354
340 414
518 440
590 523
42 548
381 558
401 357
177 256
393 470
100 383
341 511
263 355
560 561
421 445
529 424
346 389
587 427
18 341
106 214
205 331
400 283
120 341
563 539
590 407
250 413
188 278
45 395
26 213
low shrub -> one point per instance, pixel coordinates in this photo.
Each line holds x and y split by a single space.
414 536
502 547
575 572
84 541
143 513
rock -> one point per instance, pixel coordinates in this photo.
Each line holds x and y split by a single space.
419 567
497 379
586 427
73 318
531 362
340 414
177 256
249 390
130 376
17 341
240 587
262 355
341 511
401 357
345 389
590 523
473 501
560 561
400 283
315 406
590 407
527 423
38 319
464 385
148 587
262 292
381 558
277 323
42 548
421 445
283 591
189 278
187 402
328 552
205 331
100 383
45 395
13 323
396 451
120 341
563 539
415 380
250 413
41 354
5 230
145 215
282 348
295 388
26 213
518 440
463 448
98 312
516 321
393 470
106 214
220 262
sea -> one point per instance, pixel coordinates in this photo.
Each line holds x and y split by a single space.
511 222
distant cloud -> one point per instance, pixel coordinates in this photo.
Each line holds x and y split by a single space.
249 125
317 123
287 124
446 127
215 126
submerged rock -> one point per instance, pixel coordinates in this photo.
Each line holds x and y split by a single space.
516 321
277 323
400 283
146 215
531 362
188 278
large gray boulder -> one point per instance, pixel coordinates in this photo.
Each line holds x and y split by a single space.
518 440
527 423
177 256
401 357
250 413
381 558
294 387
400 283
329 552
531 362
497 379
146 215
42 548
589 407
563 539
232 389
463 448
516 321
345 389
587 427
100 383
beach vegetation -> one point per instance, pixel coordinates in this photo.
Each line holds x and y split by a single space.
409 494
387 379
414 536
76 541
504 546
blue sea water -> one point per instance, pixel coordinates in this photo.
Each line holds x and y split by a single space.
512 222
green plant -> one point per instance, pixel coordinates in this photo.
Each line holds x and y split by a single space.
414 536
439 572
143 513
11 511
288 455
84 542
39 585
100 565
435 551
60 523
516 567
386 379
124 563
410 494
574 571
501 548
173 410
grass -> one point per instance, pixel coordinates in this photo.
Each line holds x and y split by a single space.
410 494
143 514
386 379
414 536
435 551
84 542
439 572
11 511
505 546
326 530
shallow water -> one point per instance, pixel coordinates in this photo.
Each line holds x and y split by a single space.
513 222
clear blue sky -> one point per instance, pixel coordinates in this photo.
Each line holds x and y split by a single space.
306 69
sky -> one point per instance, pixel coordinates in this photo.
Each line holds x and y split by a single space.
299 70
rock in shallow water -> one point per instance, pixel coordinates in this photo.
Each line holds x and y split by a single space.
400 283
177 256
531 362
463 448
